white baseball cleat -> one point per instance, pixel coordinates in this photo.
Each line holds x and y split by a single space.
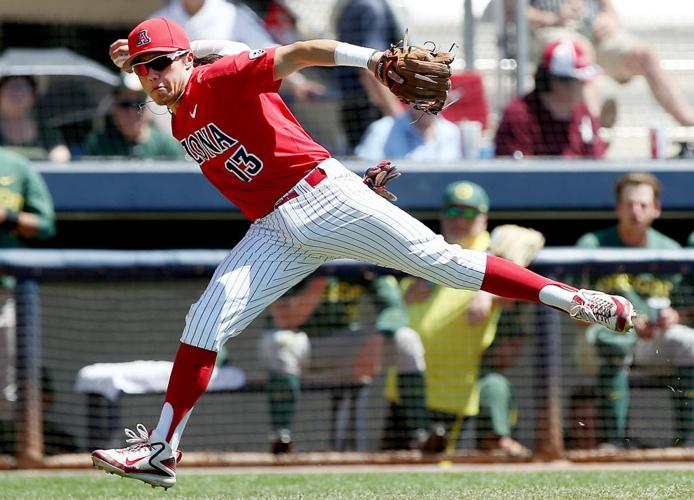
147 458
612 311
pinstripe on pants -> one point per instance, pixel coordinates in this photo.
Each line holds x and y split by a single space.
339 218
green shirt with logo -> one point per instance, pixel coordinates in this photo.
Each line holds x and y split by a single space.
637 288
23 190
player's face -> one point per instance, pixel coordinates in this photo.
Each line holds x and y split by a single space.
164 75
459 223
17 97
637 207
569 92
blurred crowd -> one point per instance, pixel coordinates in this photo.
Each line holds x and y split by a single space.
576 45
445 352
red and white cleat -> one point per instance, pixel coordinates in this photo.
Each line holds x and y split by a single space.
147 458
612 311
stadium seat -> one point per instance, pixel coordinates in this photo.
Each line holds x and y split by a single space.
468 99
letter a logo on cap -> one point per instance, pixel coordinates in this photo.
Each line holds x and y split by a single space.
142 38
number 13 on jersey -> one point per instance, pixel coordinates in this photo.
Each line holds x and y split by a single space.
243 164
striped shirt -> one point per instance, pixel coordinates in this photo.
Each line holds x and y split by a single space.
591 8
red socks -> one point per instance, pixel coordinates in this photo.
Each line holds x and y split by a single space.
506 279
190 376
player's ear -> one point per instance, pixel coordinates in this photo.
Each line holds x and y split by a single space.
188 60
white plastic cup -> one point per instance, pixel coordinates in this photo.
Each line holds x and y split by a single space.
471 133
657 138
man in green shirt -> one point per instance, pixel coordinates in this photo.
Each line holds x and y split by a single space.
128 131
658 344
323 333
26 213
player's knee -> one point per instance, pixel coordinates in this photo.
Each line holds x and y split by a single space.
284 351
409 351
199 333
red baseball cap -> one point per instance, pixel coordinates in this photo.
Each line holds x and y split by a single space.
155 35
568 59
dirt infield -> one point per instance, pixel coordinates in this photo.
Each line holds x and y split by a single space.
235 462
442 467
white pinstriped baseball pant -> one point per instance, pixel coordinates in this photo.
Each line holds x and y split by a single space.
339 218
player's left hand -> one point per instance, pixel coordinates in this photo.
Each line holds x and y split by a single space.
377 177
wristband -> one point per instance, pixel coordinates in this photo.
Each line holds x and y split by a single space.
11 220
347 54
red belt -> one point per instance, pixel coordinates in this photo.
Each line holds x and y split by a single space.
312 179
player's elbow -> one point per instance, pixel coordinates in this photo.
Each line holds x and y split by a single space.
290 59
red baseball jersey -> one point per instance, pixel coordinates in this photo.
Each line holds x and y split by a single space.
233 123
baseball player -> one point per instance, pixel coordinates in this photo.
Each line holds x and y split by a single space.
306 208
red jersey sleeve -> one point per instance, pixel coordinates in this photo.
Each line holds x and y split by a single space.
244 75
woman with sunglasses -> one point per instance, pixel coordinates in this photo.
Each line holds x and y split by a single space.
306 208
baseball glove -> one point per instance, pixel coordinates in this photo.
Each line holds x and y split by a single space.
517 244
377 177
418 76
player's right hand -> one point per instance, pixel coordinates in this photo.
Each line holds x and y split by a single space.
377 177
119 52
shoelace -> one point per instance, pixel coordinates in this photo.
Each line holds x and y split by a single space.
602 308
135 440
596 309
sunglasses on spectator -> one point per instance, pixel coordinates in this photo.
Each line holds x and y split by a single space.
158 63
468 213
125 104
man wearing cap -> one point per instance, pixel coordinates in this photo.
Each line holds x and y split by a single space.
553 119
128 131
457 327
306 208
595 24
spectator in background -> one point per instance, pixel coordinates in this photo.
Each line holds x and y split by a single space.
128 130
595 23
553 119
659 343
457 327
26 214
321 334
413 135
368 23
20 129
222 20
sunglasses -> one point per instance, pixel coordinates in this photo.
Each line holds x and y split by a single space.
158 63
464 212
129 105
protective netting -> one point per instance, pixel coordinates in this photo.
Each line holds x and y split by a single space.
345 380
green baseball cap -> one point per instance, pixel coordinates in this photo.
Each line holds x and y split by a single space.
466 194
